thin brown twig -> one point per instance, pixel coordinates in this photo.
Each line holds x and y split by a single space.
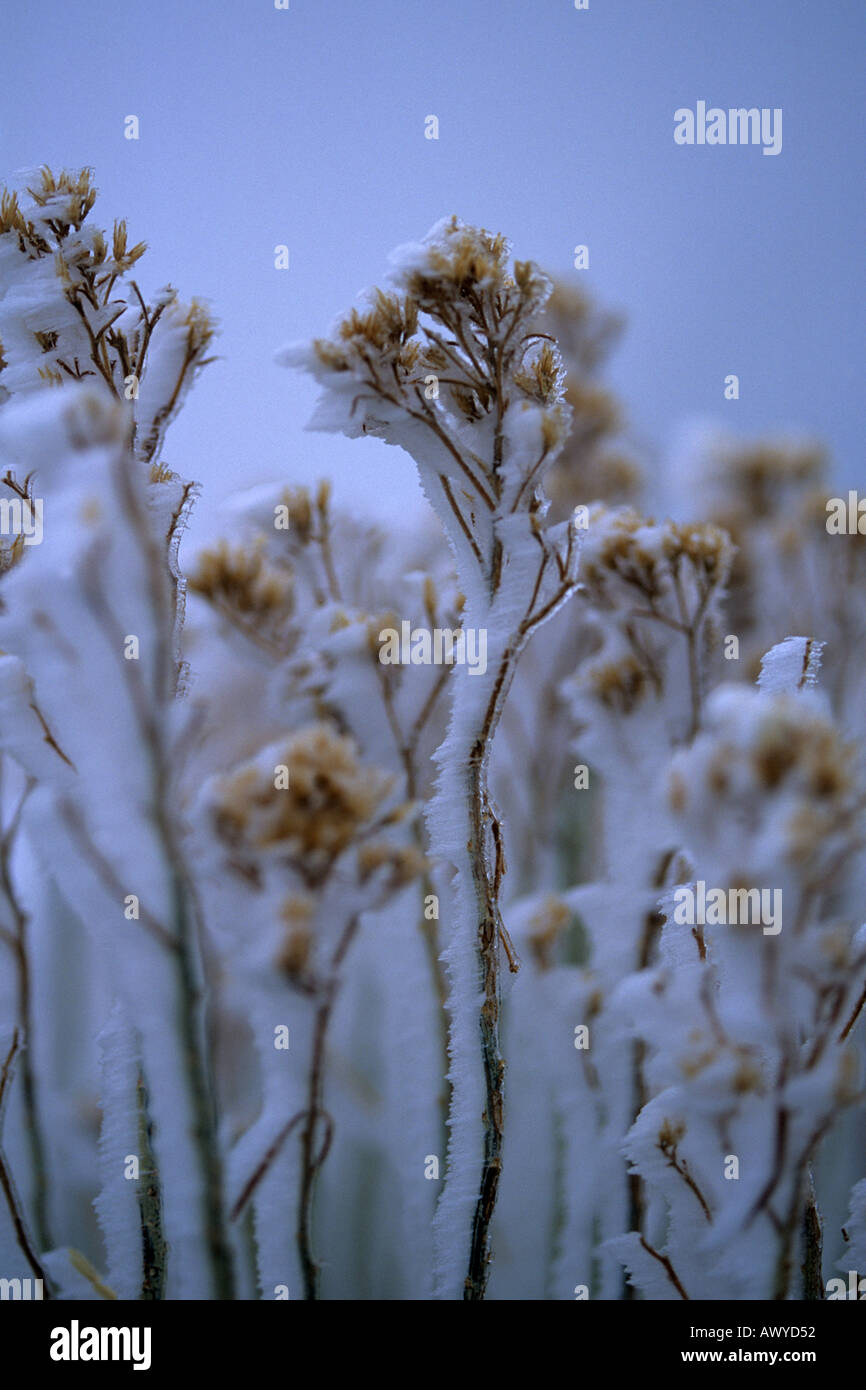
19 947
7 1184
311 1160
261 1168
668 1267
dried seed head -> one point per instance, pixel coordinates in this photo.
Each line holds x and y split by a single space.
332 798
459 261
619 685
240 578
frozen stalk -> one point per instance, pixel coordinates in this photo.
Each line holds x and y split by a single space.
451 367
115 580
70 313
330 838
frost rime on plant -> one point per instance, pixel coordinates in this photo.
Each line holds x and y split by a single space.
482 442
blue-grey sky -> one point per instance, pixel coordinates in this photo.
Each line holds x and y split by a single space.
305 126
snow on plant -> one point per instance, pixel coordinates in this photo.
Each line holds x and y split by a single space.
70 311
451 368
747 1026
307 826
263 966
649 608
89 670
89 675
595 462
272 582
789 572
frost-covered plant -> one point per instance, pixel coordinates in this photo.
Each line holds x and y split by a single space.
88 679
306 826
69 310
452 368
790 571
237 1035
649 609
89 620
281 591
747 1027
597 461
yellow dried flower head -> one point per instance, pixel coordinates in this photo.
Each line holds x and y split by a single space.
124 259
541 376
761 475
200 324
619 685
595 411
461 261
386 326
301 512
73 196
772 765
705 546
240 578
332 798
625 552
809 752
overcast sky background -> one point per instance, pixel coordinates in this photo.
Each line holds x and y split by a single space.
306 127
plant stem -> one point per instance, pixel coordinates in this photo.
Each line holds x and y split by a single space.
33 1123
7 1184
148 708
191 1029
487 867
153 1248
311 1160
813 1248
